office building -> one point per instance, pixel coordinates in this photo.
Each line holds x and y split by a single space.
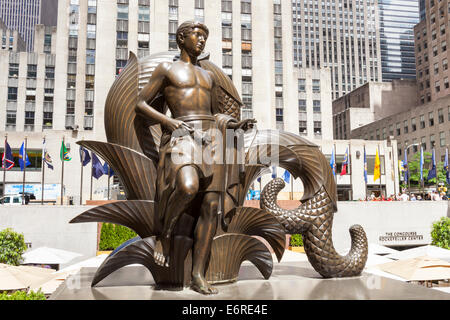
24 15
343 36
397 20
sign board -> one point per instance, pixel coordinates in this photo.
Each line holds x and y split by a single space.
51 191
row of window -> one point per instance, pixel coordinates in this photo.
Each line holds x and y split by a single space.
414 146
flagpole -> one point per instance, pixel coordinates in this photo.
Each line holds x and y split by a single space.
4 165
379 155
109 172
43 172
335 165
62 170
81 182
292 187
92 169
24 160
365 175
350 163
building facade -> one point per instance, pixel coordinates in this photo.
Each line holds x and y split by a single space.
59 90
11 39
425 125
371 102
343 36
24 15
432 36
397 20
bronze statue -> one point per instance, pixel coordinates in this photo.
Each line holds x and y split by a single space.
190 206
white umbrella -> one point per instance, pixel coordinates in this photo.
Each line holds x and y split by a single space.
418 269
431 251
45 255
91 262
16 278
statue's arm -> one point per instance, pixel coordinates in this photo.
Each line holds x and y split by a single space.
154 86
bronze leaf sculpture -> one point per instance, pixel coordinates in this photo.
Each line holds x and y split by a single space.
189 215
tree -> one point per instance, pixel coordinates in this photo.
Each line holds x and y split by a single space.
440 233
12 246
414 170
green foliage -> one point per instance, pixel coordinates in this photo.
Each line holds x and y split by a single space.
296 240
112 236
12 246
440 233
414 167
22 295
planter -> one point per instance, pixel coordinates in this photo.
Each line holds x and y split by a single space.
103 252
297 249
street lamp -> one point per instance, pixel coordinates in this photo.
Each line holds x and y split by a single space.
407 165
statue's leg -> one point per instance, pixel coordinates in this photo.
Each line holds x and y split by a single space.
203 236
186 188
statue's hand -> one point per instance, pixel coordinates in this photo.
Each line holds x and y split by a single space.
173 125
243 124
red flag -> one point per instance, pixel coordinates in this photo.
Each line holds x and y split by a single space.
345 163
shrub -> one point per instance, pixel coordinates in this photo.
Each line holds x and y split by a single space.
440 233
12 246
296 240
112 236
22 295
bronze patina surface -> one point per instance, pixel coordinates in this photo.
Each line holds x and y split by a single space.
192 226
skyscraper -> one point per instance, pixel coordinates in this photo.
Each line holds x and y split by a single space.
24 15
397 20
341 35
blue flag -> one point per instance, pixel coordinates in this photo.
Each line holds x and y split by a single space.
274 172
405 166
259 179
85 158
7 158
333 162
97 168
432 172
23 155
286 176
447 175
365 165
107 168
421 163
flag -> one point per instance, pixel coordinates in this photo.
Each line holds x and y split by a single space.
376 169
421 163
333 162
286 176
259 179
345 163
405 166
432 172
365 165
107 169
274 172
23 155
7 158
97 168
447 175
64 154
46 156
85 158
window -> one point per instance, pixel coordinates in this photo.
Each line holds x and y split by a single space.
433 34
422 121
435 51
32 71
302 127
442 139
432 141
14 70
398 128
279 114
12 94
444 64
11 118
49 72
302 105
444 46
437 86
423 143
122 12
317 127
316 105
442 29
302 85
446 83
29 117
405 127
316 86
431 118
436 68
440 115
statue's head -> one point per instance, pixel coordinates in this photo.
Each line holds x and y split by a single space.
192 36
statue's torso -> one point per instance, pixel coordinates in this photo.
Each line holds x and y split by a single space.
188 90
